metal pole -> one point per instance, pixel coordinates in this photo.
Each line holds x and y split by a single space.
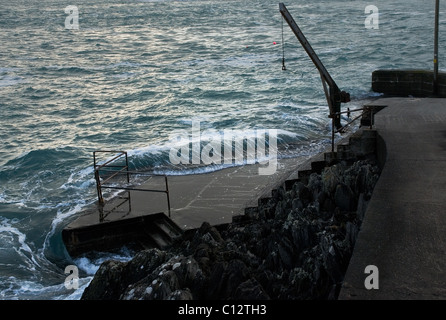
127 167
334 98
437 9
99 187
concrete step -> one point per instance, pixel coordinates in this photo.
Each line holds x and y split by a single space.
262 201
170 230
345 147
330 157
304 175
159 240
318 166
359 144
163 232
288 184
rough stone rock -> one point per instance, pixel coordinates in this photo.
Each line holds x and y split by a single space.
305 195
225 278
344 198
106 284
148 288
301 281
297 246
330 179
250 290
297 204
362 206
184 294
143 263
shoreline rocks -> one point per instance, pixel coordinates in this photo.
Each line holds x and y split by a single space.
297 245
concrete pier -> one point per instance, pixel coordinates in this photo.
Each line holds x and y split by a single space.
417 83
404 230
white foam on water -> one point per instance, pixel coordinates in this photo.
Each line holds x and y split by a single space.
14 236
19 289
91 265
148 150
80 180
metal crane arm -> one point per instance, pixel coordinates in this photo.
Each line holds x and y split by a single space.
333 95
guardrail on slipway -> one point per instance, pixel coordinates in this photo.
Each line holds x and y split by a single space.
114 170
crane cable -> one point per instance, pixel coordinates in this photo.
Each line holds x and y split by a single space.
283 50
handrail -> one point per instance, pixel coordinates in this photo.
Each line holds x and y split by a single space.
124 169
120 153
364 110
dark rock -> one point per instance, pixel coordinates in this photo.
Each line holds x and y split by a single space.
144 262
159 288
315 185
305 195
106 284
344 198
210 233
297 204
184 294
301 282
297 245
328 205
285 249
330 258
302 233
331 177
250 290
362 206
297 186
225 279
351 233
166 285
202 250
187 270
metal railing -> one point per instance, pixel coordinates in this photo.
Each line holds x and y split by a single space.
365 110
116 170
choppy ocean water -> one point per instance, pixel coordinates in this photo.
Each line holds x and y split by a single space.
135 71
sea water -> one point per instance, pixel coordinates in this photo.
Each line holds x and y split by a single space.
78 76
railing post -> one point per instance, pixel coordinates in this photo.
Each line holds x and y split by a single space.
127 167
103 184
98 187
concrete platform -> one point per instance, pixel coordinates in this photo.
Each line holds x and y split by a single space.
404 230
216 197
211 197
